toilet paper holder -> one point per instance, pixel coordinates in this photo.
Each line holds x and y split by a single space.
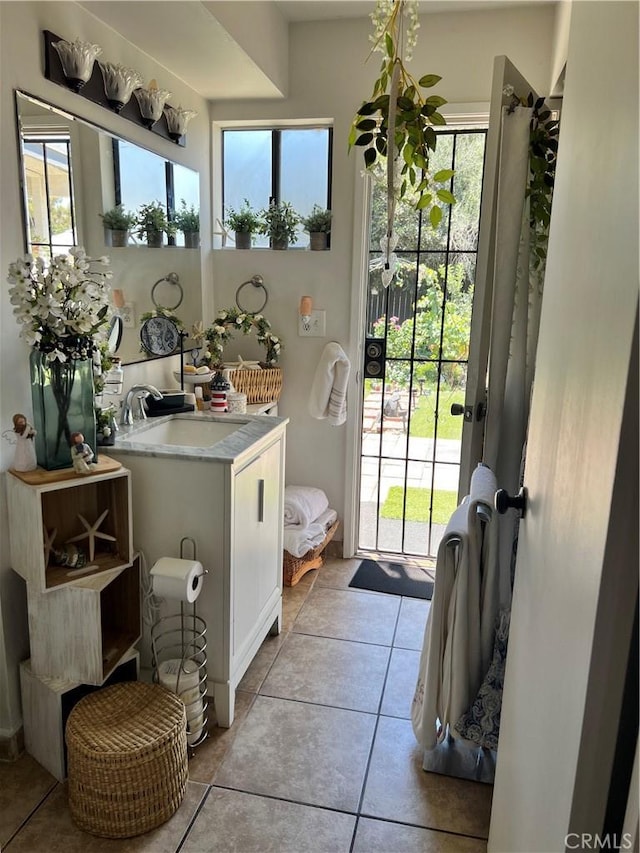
179 659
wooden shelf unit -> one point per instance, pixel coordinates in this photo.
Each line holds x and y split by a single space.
82 631
48 504
83 625
47 703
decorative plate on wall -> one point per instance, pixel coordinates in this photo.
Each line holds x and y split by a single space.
159 336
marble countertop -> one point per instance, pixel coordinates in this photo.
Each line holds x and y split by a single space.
254 432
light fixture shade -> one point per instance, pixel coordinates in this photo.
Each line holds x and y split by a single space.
77 59
177 121
119 83
151 102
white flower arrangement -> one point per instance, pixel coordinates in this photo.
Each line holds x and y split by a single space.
61 307
230 320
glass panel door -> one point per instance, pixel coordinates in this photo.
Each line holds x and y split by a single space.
411 441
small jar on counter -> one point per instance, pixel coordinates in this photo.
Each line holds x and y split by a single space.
236 402
219 390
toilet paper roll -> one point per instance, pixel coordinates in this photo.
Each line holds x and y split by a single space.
177 579
183 678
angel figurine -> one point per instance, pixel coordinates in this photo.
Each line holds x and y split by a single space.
25 455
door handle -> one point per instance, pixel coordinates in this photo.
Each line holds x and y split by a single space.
260 500
504 501
469 412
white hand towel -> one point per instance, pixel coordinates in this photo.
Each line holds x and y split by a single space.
328 398
302 505
483 485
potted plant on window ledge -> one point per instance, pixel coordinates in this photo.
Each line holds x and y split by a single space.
318 224
244 222
279 221
117 223
187 220
152 223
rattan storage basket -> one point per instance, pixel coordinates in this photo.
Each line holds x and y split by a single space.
127 759
260 386
293 568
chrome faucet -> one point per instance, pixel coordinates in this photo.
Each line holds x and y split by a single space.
137 392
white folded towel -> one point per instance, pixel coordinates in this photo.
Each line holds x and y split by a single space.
327 518
303 504
328 398
298 540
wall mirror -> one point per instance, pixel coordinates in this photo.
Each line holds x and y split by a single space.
73 171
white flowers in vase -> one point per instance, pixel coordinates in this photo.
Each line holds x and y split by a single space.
61 307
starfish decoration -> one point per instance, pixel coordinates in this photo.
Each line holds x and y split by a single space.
92 533
49 537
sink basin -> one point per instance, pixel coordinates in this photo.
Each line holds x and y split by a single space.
185 433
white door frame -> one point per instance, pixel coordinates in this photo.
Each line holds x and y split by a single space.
359 280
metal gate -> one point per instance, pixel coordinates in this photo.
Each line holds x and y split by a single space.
416 354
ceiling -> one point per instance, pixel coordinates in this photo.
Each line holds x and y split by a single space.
326 10
189 41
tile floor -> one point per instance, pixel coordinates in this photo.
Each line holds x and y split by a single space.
321 756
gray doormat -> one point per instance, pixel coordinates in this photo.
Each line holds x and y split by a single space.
393 578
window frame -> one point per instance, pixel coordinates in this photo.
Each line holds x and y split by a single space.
169 183
44 138
276 152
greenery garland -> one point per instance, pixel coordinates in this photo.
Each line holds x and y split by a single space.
232 320
543 153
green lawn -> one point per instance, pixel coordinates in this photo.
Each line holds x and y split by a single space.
444 503
423 421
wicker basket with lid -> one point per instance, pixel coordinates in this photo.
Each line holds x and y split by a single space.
127 759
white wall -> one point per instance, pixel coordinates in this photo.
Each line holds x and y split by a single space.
329 79
22 66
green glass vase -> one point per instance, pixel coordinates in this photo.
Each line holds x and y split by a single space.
63 403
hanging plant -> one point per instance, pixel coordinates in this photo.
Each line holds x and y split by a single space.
396 126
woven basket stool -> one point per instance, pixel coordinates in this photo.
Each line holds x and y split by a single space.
127 759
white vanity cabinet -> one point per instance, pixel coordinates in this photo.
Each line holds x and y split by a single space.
231 505
256 545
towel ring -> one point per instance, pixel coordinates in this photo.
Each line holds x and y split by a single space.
171 278
256 281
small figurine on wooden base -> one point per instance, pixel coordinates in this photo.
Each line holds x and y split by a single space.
22 436
81 454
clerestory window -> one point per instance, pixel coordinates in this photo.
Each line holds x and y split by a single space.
282 164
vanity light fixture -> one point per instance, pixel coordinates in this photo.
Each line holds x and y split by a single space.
119 83
77 59
177 121
306 307
151 102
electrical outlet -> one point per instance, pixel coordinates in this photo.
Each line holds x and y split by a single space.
315 328
128 314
